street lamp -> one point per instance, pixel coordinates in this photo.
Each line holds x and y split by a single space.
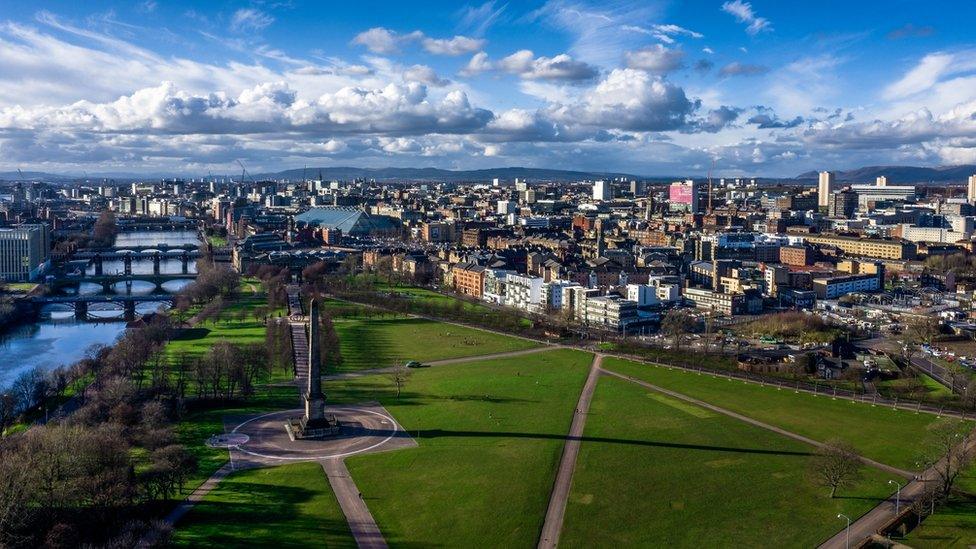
897 496
843 516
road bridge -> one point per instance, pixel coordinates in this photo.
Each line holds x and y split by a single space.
81 303
107 281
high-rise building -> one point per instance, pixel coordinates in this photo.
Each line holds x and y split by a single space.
24 252
843 204
824 189
881 181
684 195
602 190
971 190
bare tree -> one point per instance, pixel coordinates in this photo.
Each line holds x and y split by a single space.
950 451
675 325
835 465
399 376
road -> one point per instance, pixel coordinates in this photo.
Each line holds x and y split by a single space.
556 511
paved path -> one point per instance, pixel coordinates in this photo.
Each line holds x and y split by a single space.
361 522
197 495
869 523
757 423
445 362
556 512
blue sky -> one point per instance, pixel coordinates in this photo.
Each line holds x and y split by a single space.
654 88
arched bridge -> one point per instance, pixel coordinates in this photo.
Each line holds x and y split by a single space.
80 303
107 281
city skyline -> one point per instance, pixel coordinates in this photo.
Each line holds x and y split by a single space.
647 88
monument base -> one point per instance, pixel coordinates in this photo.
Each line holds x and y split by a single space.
304 428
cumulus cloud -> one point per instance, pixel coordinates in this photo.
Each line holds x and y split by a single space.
742 69
385 41
526 65
630 99
267 108
459 45
657 59
744 13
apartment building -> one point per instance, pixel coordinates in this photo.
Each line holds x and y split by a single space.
867 247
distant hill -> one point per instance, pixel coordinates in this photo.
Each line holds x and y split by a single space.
901 174
436 174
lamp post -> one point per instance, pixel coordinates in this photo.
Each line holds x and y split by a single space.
897 496
843 516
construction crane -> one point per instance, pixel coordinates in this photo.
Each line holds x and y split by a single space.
243 172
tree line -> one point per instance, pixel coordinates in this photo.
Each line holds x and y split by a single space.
93 476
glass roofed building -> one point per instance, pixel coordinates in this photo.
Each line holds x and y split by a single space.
351 221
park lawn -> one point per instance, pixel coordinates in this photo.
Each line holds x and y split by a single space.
229 327
217 240
199 424
285 506
383 342
952 525
656 471
893 437
490 435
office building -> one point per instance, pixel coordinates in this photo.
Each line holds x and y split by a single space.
842 204
602 190
881 181
971 190
825 189
24 252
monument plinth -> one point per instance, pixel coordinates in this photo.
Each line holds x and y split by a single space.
315 423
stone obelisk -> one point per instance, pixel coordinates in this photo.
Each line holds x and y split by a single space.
314 399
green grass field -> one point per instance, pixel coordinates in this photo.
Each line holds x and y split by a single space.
893 437
285 506
490 435
379 343
656 471
953 525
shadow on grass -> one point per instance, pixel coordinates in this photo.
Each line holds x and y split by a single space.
187 334
264 516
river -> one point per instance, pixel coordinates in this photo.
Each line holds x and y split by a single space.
57 338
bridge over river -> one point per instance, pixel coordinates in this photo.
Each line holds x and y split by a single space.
80 303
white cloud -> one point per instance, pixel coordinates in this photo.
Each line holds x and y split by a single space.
385 41
378 40
478 64
928 72
657 59
479 19
744 13
459 45
629 99
664 33
526 65
250 19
